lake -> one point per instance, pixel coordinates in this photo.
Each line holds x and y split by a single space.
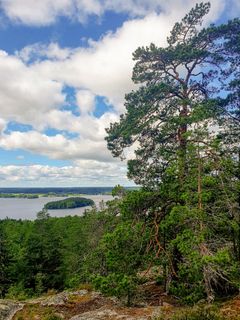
15 208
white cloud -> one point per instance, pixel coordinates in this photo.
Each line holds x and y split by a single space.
85 101
26 95
41 50
56 147
94 128
42 12
87 126
84 173
46 12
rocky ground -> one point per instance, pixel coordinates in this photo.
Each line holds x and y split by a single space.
9 308
84 305
78 305
90 305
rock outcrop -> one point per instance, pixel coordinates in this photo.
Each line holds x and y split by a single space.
9 308
81 305
117 314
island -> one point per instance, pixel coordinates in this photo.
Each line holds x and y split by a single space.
69 203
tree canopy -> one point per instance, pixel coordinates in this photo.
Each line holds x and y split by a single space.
184 87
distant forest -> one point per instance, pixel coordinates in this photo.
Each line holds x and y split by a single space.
60 190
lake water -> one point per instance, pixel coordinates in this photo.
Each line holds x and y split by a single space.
27 208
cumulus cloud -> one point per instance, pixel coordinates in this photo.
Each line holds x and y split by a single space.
56 147
85 101
46 12
24 93
84 173
51 51
43 12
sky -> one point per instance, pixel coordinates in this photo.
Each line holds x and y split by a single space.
65 68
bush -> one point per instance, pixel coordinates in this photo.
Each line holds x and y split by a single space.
119 285
18 292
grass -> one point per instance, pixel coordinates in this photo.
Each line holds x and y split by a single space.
35 312
200 312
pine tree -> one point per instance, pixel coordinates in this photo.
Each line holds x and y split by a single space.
176 121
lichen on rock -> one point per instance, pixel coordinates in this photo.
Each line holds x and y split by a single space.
9 308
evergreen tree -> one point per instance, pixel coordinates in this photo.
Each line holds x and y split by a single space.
43 257
176 117
4 262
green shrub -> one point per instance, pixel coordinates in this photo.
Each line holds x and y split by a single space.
18 292
119 285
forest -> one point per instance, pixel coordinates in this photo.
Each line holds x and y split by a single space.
183 121
19 195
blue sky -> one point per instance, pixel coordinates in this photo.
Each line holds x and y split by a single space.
65 68
65 32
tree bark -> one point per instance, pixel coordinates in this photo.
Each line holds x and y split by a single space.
183 144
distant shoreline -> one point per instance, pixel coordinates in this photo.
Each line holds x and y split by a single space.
59 191
56 190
